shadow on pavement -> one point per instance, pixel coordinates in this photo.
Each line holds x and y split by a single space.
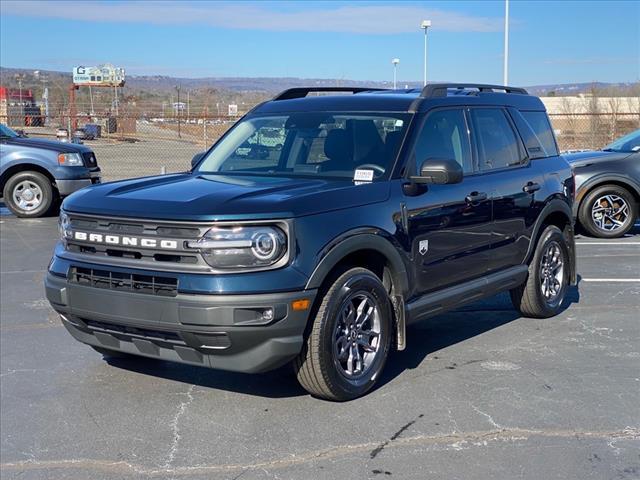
424 338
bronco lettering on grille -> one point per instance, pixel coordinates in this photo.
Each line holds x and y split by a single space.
125 241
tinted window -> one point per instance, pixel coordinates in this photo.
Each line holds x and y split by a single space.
444 136
497 142
539 123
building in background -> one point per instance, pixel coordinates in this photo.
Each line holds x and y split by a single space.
18 108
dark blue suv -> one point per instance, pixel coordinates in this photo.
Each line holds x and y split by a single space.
317 228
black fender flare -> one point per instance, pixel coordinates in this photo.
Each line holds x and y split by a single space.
556 205
361 239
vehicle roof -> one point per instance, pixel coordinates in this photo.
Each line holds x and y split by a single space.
396 101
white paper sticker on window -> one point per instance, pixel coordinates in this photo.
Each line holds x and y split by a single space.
399 123
363 175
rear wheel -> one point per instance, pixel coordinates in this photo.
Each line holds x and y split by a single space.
608 211
350 338
28 194
542 294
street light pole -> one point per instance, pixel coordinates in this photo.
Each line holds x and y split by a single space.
178 104
425 26
395 62
505 72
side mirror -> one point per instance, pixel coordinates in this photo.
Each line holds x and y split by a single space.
196 159
439 171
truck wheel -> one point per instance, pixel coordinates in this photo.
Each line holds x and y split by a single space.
542 294
111 353
350 338
28 194
608 211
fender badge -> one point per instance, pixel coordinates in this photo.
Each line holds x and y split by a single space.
423 246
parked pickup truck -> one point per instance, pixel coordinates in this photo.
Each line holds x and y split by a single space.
35 173
379 209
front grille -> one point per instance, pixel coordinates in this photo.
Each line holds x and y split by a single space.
130 255
89 159
127 282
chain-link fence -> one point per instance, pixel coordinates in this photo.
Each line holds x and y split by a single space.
132 144
586 131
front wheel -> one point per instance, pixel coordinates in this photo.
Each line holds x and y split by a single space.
541 296
28 194
350 338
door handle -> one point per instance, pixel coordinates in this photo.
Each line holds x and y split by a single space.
475 197
531 187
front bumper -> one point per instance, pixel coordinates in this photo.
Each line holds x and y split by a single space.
68 186
227 332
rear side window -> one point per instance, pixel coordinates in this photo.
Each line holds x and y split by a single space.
539 123
444 136
497 143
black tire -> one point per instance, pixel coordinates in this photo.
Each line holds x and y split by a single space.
112 353
40 184
318 367
529 298
598 197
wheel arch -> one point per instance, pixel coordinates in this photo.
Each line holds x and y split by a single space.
558 213
354 248
375 250
26 167
601 180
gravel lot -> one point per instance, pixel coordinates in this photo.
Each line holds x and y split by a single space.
479 393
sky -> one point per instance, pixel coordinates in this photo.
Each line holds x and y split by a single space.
550 41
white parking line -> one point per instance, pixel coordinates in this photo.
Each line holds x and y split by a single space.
617 280
607 243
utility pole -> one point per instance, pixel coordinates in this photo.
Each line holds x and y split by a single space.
188 106
505 73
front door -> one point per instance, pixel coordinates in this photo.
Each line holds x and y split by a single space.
449 226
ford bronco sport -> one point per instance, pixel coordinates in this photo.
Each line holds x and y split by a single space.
317 228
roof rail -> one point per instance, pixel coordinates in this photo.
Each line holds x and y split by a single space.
301 92
440 89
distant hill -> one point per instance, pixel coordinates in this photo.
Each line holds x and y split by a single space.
275 84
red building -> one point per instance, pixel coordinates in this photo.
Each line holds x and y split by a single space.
18 108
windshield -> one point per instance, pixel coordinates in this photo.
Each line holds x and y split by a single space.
7 132
319 144
628 143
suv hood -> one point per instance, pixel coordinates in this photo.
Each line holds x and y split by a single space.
199 197
54 145
580 159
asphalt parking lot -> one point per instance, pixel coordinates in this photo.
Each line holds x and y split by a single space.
479 393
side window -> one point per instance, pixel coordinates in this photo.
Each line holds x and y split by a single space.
539 123
444 135
498 145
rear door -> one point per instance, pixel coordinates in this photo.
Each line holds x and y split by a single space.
505 168
450 226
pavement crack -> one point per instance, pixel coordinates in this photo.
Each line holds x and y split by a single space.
473 438
175 426
488 417
374 453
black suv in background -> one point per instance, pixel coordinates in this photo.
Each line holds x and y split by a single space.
317 228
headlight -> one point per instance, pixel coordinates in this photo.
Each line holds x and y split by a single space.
70 160
242 246
64 226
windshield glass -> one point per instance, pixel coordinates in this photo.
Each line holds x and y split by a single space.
7 132
319 144
628 143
